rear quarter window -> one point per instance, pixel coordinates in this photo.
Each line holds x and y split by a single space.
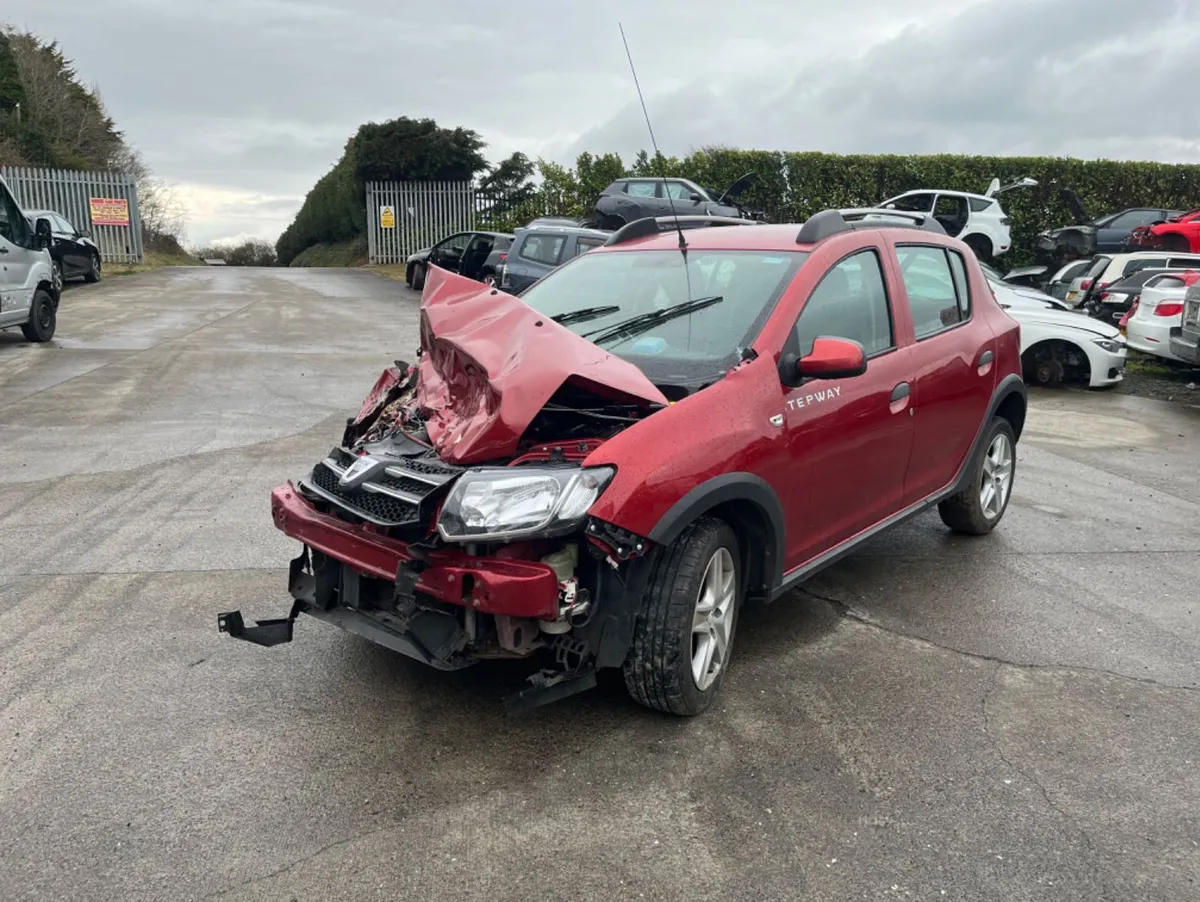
979 204
542 248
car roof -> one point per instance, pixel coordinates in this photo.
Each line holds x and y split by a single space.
757 237
943 191
566 230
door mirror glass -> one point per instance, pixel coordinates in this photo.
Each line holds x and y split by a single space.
42 232
833 358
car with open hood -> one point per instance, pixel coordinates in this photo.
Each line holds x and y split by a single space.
601 472
629 199
1088 236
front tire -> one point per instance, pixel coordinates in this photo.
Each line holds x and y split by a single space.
93 273
418 277
684 633
43 318
978 509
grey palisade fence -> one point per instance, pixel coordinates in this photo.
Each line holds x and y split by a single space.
71 194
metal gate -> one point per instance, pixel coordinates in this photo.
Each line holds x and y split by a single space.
103 204
404 217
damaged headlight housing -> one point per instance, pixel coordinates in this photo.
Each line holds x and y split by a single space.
522 502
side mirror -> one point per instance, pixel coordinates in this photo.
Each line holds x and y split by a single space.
41 233
833 358
696 198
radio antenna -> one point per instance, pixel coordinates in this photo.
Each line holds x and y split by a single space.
683 247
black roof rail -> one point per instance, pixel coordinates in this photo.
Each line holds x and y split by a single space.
654 225
832 222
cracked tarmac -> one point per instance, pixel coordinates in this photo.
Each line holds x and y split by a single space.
1009 718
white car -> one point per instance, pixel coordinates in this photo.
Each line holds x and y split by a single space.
1156 312
1057 344
1107 269
978 219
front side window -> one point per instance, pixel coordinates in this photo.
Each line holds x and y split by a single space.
849 302
543 248
913 203
680 191
933 289
13 226
599 291
1135 218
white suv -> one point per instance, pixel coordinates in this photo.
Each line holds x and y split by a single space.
977 219
1107 269
28 292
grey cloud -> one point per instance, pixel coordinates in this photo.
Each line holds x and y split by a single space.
1078 77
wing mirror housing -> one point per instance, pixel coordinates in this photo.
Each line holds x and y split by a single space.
41 233
832 358
696 198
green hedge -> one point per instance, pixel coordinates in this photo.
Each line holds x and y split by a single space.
794 186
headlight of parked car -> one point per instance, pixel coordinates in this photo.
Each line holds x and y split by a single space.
1113 347
501 503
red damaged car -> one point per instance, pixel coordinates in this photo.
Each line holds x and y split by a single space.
603 471
1181 234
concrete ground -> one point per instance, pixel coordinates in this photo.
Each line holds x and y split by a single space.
1009 718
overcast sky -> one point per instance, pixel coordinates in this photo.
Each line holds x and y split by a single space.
244 103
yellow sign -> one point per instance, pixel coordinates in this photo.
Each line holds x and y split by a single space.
109 211
387 219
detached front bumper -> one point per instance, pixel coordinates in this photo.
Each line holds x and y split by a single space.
491 585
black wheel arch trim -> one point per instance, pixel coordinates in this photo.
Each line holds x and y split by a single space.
1010 385
727 487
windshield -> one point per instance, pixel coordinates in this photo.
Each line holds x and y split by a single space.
690 348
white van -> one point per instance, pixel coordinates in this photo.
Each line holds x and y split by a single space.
28 293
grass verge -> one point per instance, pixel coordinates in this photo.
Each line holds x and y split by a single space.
345 253
152 260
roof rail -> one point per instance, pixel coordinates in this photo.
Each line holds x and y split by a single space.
832 222
653 225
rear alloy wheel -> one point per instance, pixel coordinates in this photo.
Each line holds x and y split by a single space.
43 318
978 508
684 635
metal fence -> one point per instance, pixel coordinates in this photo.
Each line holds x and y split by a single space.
103 204
403 217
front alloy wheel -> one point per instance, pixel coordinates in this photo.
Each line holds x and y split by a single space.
684 633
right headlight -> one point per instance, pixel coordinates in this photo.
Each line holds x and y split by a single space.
503 503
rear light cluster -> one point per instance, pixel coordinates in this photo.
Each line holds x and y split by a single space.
1086 284
1172 308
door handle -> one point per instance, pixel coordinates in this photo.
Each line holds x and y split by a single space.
986 357
3 250
900 397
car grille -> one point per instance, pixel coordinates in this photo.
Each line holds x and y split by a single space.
398 496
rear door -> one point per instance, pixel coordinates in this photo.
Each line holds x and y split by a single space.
532 258
952 357
849 438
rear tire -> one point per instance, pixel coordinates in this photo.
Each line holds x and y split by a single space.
1176 244
418 277
982 247
975 511
685 630
43 318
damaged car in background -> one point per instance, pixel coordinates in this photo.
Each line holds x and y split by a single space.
599 474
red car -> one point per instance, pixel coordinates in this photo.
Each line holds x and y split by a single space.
1181 234
601 472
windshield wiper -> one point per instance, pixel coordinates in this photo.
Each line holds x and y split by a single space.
643 321
576 316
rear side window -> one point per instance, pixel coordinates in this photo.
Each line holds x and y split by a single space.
849 302
543 248
1184 263
1135 265
979 204
937 294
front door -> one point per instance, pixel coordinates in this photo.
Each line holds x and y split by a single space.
850 438
448 254
953 361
